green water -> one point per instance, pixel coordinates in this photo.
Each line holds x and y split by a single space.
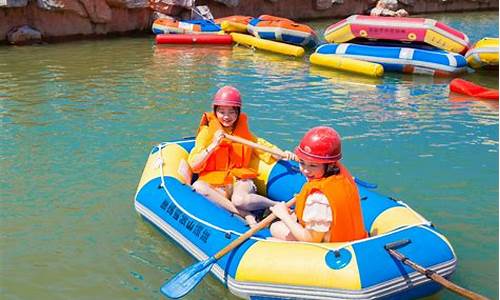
78 119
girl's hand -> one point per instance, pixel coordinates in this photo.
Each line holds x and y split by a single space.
218 136
280 210
290 155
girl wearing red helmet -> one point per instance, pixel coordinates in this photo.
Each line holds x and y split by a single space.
328 208
225 176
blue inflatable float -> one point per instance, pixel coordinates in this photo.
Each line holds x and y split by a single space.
401 59
265 269
168 26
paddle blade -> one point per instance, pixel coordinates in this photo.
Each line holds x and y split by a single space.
182 283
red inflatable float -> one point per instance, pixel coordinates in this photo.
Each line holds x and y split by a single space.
217 39
468 88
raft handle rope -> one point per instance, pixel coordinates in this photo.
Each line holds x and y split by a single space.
229 232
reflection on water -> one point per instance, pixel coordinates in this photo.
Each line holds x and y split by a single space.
339 78
78 119
484 110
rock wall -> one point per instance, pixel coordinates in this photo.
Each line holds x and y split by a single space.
66 19
311 9
63 19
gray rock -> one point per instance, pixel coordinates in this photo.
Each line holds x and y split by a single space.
158 15
408 2
13 3
183 3
136 3
322 4
50 4
24 35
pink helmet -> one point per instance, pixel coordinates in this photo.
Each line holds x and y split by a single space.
227 96
321 145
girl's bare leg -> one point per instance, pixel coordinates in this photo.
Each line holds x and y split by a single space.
214 195
280 231
244 197
219 198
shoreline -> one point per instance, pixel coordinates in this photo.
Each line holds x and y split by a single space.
70 22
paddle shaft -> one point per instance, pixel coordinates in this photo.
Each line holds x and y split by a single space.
243 141
282 154
268 219
264 223
436 277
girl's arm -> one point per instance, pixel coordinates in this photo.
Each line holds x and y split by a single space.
201 152
268 157
298 231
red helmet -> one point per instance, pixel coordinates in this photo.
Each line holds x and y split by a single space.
227 96
320 145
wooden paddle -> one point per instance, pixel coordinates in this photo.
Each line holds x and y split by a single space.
186 280
430 273
243 141
182 283
282 154
389 247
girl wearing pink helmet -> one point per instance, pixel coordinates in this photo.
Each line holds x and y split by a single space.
225 175
328 208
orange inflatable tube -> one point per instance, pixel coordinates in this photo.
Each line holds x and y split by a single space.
273 18
272 21
468 88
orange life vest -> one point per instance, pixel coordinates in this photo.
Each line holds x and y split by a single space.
342 193
230 160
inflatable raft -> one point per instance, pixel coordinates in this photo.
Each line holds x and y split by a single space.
165 26
264 269
420 30
401 59
483 54
282 30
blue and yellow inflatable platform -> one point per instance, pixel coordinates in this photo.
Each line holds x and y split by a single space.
265 269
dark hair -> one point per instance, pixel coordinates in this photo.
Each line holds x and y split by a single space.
331 169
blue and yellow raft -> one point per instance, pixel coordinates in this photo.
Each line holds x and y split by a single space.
401 59
263 269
